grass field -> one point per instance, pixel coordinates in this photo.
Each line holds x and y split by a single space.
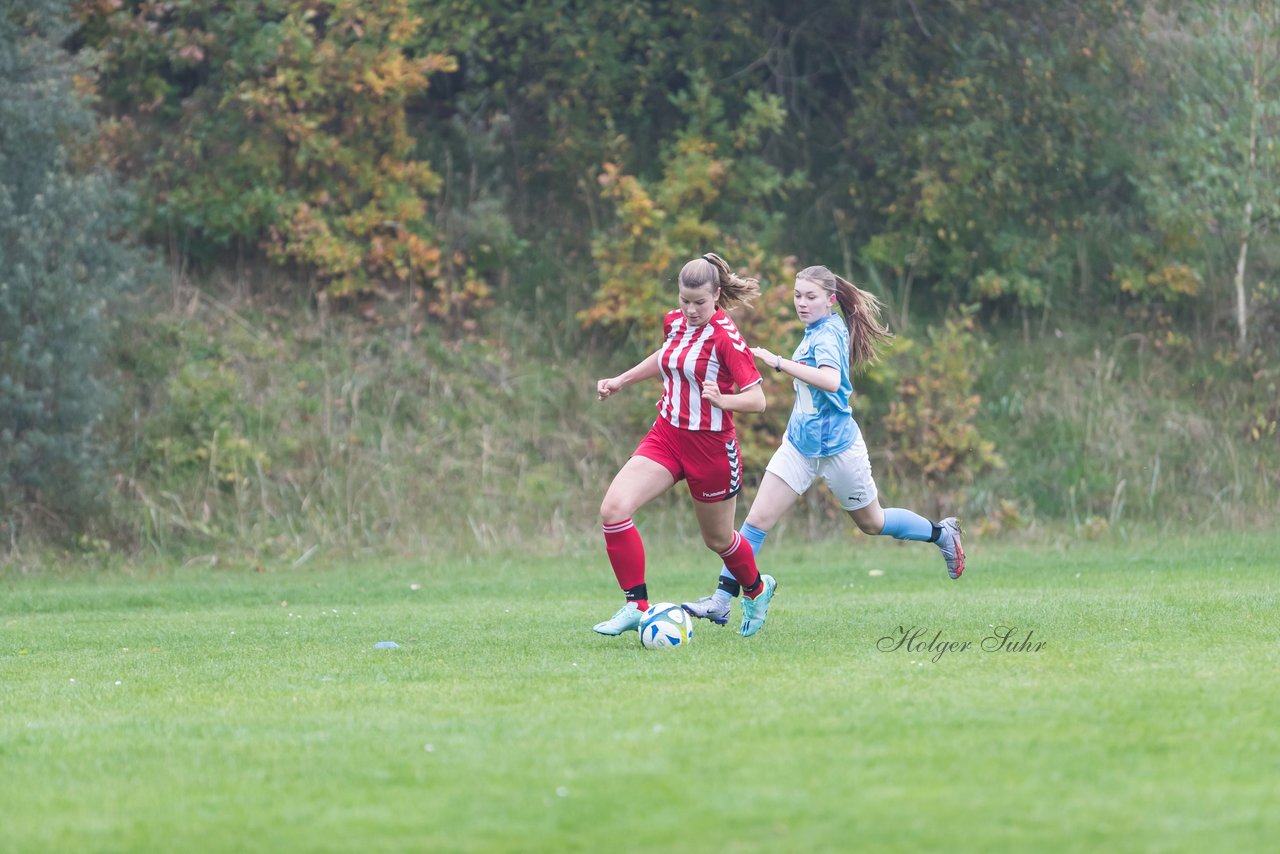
220 709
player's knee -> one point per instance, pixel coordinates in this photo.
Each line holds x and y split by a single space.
870 526
868 521
717 543
614 510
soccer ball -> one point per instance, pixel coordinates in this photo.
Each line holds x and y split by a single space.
665 625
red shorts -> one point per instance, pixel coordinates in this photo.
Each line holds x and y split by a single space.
708 459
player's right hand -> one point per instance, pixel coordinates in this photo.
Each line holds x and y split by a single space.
604 388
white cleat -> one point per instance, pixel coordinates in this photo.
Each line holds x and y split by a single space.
626 620
708 608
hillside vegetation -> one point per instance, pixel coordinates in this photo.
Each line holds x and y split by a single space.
271 434
341 275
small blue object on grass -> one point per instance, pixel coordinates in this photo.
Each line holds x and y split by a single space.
386 645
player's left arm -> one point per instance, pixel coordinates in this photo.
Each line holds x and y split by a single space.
740 371
825 377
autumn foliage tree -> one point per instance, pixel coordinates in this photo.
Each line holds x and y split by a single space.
280 125
714 193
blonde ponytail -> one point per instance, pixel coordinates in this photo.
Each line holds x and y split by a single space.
713 270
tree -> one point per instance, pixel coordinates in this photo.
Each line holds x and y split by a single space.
281 125
1214 159
987 145
61 267
714 194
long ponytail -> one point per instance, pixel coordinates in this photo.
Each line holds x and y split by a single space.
861 312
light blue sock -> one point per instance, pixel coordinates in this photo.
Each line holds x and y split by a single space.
755 537
906 525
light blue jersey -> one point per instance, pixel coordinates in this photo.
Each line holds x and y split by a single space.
821 423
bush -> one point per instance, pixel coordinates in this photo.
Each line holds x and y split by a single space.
282 126
931 434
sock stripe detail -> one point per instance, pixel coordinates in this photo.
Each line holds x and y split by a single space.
618 527
737 541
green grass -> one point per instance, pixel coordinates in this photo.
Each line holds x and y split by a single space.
241 710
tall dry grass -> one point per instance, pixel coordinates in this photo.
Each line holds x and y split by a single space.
267 433
1107 432
349 434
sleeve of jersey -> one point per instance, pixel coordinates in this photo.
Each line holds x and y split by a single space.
667 320
827 351
742 365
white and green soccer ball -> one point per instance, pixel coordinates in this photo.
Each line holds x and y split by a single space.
664 626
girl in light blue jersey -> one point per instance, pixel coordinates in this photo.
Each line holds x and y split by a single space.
823 439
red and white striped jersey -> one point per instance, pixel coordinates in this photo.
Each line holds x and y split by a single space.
691 355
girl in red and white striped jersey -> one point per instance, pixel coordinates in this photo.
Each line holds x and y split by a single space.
708 373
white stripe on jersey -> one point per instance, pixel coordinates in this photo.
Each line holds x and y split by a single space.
713 374
691 356
681 364
713 367
690 366
673 376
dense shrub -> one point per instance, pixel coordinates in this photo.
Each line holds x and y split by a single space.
61 267
281 126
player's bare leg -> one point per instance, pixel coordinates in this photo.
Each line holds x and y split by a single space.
716 522
638 482
772 501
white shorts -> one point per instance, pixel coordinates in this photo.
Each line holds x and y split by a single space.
848 473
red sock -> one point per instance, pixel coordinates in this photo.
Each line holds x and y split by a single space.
626 555
741 561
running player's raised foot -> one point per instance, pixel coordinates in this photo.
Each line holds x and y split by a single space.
949 544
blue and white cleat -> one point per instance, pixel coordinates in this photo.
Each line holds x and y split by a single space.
755 610
949 544
626 620
708 608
